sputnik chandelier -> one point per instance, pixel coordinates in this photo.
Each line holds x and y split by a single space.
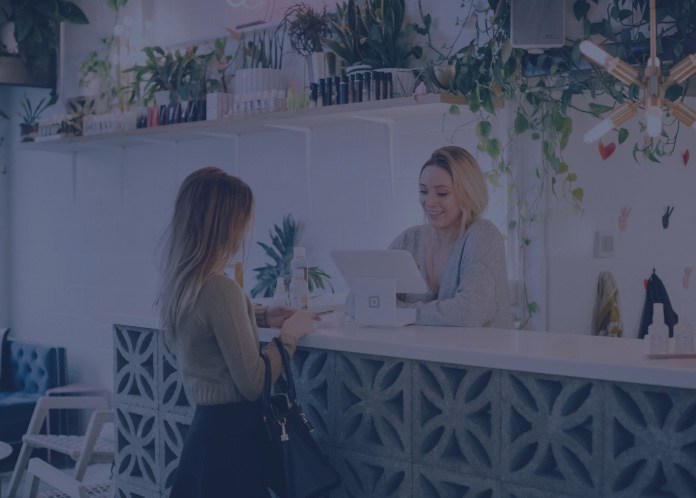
652 86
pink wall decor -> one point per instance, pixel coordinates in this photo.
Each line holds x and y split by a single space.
623 218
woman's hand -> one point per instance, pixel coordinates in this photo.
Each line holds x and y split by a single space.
276 316
299 324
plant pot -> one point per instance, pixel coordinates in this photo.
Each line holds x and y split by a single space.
357 68
217 105
320 65
255 84
162 97
28 131
403 81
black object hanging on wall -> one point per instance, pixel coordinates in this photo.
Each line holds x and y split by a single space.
655 292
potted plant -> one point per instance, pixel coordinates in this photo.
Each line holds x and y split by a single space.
261 73
219 85
97 76
349 31
30 113
306 29
72 124
283 241
36 29
375 33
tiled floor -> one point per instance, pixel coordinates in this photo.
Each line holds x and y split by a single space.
95 473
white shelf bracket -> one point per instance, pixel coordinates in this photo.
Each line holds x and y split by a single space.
235 152
156 141
123 174
389 123
73 171
216 134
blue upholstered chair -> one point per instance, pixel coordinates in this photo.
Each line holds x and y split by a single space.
28 370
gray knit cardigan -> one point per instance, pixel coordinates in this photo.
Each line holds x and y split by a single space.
474 288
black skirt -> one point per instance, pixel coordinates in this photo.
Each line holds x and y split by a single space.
225 454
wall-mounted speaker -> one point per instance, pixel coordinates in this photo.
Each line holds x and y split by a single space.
537 24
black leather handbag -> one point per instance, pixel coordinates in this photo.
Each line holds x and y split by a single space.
299 468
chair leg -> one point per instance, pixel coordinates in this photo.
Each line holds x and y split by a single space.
31 488
19 469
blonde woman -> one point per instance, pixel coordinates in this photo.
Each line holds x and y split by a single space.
461 255
210 326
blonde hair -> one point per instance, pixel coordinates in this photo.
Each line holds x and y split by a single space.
468 182
212 214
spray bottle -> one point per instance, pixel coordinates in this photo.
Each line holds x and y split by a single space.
658 333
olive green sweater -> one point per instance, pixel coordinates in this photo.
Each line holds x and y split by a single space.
216 344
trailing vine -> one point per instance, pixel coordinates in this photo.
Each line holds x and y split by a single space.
540 89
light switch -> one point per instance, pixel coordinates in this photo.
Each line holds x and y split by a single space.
603 244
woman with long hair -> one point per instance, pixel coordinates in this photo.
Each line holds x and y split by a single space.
209 324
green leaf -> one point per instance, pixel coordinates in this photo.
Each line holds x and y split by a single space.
623 135
578 194
580 9
493 148
674 92
493 178
521 123
483 129
599 109
454 110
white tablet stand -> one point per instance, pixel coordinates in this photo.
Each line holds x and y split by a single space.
375 276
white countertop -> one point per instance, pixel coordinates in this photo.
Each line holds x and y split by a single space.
584 356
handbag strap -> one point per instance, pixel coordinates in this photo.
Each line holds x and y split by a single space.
287 370
266 394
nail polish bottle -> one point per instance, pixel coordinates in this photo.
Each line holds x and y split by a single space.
367 86
337 90
387 85
314 95
377 85
329 91
344 90
358 88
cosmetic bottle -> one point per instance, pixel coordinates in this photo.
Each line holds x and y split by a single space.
344 90
658 333
314 95
376 85
358 88
367 86
280 296
387 85
299 261
329 91
337 90
323 98
299 292
683 335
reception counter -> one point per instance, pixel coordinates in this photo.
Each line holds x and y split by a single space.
441 411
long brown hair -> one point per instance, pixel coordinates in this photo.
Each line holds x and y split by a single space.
212 214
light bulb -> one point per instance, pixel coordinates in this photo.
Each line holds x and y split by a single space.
593 52
682 71
682 112
615 118
653 120
598 131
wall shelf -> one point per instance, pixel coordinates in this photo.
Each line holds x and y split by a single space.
252 123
